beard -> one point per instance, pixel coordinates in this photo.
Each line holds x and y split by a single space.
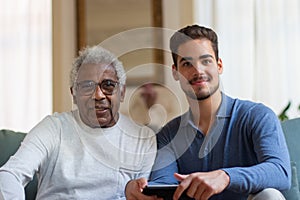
200 94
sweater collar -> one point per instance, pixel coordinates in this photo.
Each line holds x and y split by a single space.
224 111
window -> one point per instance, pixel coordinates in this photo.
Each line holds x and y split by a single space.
259 43
26 63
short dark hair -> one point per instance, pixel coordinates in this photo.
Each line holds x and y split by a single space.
192 32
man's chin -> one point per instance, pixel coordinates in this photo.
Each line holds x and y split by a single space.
199 97
105 123
102 121
203 97
98 122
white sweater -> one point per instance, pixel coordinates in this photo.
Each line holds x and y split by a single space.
75 161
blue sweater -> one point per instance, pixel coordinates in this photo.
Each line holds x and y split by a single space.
246 141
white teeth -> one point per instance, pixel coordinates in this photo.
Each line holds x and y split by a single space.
101 109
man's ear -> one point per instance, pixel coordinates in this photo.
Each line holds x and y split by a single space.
220 66
73 95
175 72
123 90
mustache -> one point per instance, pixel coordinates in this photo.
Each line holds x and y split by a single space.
198 79
99 105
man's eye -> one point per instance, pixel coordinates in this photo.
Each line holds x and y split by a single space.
108 84
187 64
206 61
86 85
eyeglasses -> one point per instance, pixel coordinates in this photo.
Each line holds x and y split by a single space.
86 88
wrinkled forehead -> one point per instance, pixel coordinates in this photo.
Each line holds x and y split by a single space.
96 72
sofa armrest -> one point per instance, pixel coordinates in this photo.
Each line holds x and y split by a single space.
293 193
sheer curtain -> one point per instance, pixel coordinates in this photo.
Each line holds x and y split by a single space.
259 45
25 63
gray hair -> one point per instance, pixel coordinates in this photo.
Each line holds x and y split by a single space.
97 55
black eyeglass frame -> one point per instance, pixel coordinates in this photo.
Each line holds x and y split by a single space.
107 86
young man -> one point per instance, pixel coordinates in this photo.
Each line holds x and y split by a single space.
222 148
90 152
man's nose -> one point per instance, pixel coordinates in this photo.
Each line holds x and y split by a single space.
98 94
198 66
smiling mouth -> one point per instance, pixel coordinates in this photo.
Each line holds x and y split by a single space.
199 81
100 109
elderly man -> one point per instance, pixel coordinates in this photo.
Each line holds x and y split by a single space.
90 152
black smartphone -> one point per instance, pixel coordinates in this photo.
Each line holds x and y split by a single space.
164 191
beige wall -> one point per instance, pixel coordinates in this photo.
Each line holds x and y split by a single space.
176 14
64 51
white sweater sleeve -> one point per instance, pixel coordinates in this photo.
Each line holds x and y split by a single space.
21 167
10 187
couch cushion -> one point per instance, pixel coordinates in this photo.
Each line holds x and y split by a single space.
293 193
10 141
291 129
9 144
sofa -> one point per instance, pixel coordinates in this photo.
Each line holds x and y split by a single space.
291 129
10 141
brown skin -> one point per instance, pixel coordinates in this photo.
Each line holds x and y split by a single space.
134 188
98 109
